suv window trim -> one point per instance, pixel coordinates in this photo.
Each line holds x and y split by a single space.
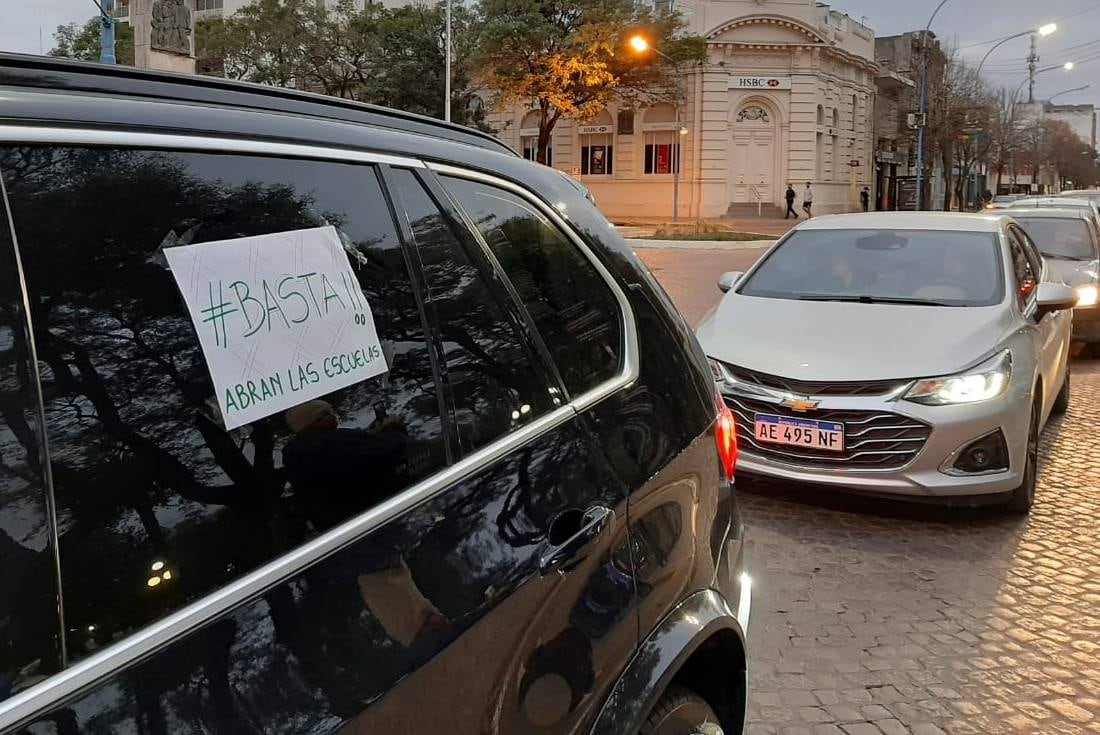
16 134
628 369
26 704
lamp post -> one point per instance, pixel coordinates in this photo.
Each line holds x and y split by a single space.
1043 30
923 105
640 45
106 31
447 66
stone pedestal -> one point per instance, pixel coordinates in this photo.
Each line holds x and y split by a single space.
164 35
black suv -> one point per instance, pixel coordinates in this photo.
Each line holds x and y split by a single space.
321 417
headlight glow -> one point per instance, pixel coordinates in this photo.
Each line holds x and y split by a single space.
1087 295
981 383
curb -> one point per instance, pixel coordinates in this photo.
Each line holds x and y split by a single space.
700 244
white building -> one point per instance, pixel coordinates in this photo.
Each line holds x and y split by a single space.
1080 118
786 95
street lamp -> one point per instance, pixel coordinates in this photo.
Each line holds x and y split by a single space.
1068 91
640 45
924 104
1068 66
1044 30
447 66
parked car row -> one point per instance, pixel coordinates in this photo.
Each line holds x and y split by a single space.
319 417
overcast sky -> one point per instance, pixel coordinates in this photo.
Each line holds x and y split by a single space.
28 27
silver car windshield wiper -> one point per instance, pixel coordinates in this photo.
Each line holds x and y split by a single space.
875 300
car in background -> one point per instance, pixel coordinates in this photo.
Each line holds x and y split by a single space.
913 355
1069 241
1093 194
1001 201
404 506
1058 202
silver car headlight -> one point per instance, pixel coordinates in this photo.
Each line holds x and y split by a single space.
1087 295
980 383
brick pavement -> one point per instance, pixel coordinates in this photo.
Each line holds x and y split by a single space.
875 617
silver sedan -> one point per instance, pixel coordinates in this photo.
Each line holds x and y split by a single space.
905 354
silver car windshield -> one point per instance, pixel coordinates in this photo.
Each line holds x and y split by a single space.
919 267
1061 237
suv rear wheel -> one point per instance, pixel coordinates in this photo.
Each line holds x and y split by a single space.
681 711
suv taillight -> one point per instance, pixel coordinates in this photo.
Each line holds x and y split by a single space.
725 434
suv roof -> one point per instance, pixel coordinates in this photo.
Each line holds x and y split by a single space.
52 74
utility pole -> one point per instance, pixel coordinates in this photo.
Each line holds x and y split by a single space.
447 70
106 32
1031 59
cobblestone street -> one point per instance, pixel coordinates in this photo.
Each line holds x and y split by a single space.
873 616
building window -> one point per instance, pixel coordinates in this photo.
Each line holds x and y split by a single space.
529 138
597 141
597 153
201 5
855 110
662 152
530 145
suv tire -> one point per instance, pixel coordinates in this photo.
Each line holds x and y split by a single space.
681 711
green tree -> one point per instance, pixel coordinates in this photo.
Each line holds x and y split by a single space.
413 49
387 57
569 58
75 41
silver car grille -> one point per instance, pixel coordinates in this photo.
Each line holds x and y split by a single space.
873 440
816 388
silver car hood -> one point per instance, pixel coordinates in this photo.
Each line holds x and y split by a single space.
833 341
1074 272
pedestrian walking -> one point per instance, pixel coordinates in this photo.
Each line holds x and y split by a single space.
865 198
808 201
790 203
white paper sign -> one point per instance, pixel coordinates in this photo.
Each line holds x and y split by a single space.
281 319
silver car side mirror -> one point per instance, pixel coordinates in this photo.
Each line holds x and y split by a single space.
1055 297
728 280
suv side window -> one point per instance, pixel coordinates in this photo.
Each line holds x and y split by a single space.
29 625
158 502
1025 276
493 385
570 303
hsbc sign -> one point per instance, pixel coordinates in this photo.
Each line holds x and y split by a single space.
760 83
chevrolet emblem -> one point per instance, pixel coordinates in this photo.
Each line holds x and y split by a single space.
801 405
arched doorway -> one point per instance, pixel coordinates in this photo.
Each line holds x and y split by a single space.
753 159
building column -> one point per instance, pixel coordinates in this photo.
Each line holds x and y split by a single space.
714 144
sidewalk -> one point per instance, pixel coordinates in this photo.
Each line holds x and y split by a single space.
767 226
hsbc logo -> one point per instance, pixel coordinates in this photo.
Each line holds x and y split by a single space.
768 83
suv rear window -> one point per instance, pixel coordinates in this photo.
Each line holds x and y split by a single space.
570 303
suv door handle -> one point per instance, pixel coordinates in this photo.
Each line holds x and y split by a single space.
580 531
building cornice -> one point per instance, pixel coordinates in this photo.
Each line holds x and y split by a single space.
814 40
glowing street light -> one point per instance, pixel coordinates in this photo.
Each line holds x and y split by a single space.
1068 66
1048 29
639 44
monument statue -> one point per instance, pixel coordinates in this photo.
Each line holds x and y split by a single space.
171 26
163 34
